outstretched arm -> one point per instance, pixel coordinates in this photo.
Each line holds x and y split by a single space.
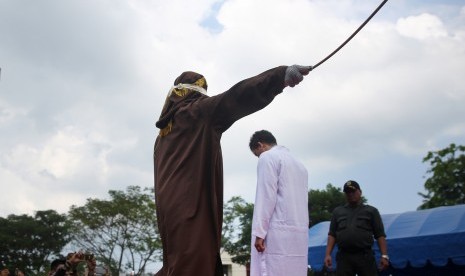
252 94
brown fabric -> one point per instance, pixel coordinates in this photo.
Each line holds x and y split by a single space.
188 169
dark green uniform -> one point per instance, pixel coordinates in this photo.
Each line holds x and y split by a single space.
354 229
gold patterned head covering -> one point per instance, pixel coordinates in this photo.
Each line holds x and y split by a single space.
189 81
187 87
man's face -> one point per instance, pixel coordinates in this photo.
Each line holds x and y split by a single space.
260 149
353 196
4 272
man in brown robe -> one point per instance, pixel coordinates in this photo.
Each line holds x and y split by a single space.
188 164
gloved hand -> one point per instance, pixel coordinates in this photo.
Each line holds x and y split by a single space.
295 74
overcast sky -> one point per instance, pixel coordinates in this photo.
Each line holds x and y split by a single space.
83 82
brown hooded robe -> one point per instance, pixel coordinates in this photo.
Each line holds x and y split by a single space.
188 168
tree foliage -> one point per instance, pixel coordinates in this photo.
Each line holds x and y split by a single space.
321 203
120 232
28 243
445 185
237 229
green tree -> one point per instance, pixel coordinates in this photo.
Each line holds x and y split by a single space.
121 232
28 243
237 229
445 185
321 203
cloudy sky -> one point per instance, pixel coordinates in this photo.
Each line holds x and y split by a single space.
83 82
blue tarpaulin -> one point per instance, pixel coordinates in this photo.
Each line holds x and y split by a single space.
433 237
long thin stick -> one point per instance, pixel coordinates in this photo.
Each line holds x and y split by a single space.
350 37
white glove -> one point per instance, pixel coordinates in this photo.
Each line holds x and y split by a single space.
295 74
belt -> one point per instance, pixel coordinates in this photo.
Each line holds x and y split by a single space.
355 250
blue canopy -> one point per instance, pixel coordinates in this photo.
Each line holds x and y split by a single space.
433 237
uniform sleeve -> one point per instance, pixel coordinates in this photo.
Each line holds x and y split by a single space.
266 196
333 225
244 98
378 227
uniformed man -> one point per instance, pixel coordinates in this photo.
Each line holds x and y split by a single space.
352 228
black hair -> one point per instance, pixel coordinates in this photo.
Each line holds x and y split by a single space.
55 263
262 136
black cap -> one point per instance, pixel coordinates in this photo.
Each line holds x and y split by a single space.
350 186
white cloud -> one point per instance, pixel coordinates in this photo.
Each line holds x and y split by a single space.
83 83
9 113
421 27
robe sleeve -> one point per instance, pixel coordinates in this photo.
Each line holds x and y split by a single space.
244 98
266 195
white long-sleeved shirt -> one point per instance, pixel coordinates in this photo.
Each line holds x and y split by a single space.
280 215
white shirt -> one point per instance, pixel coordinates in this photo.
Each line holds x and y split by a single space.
280 215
